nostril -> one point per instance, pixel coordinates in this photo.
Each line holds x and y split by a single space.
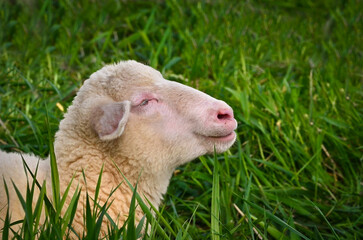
225 114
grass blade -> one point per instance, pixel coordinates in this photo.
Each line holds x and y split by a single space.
131 233
325 219
53 168
5 233
215 208
276 219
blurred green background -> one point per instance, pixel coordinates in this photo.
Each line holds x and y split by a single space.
292 71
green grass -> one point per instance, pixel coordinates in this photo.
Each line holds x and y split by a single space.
292 71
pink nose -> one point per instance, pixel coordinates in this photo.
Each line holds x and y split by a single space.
225 114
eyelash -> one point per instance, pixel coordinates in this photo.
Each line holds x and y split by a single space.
146 102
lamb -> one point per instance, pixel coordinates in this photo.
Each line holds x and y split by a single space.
127 115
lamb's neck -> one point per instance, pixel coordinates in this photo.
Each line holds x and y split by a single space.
152 179
154 186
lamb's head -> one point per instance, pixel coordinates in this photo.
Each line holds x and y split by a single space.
143 116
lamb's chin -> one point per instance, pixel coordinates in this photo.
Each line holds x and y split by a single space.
219 143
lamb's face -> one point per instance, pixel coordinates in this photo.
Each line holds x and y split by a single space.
179 122
166 120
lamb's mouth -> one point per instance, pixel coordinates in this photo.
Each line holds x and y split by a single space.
221 138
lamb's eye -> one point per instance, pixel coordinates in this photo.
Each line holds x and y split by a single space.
144 102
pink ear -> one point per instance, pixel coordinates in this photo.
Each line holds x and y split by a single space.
109 119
